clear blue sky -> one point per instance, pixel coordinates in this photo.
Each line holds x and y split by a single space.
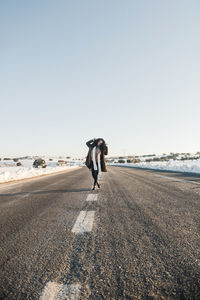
127 71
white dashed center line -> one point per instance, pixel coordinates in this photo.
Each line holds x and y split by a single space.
92 197
84 222
56 291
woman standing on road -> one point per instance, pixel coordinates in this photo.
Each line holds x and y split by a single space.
95 158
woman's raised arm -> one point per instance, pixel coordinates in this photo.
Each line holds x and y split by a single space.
90 142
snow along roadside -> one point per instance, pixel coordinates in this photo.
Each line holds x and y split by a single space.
177 166
37 176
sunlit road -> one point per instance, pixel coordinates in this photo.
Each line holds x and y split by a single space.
137 237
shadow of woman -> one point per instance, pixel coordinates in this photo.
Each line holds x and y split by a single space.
47 192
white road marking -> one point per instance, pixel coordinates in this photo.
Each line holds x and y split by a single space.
56 291
177 179
84 222
92 197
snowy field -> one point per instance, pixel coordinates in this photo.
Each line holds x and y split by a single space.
190 166
10 172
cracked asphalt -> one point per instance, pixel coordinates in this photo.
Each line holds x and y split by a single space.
144 243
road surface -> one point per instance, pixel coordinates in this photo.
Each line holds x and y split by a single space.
137 237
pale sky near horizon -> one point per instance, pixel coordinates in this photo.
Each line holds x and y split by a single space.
127 71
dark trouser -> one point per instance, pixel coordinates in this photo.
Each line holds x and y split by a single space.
94 172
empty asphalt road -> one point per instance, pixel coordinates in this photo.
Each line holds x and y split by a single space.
137 237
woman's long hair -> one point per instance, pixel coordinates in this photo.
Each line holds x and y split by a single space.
103 147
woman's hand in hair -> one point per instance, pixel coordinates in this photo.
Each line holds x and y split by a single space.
90 142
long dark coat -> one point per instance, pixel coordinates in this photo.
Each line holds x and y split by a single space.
102 157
